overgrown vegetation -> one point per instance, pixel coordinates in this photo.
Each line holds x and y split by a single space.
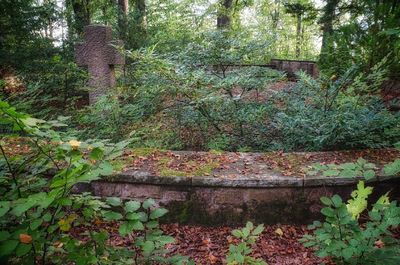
204 109
38 208
349 236
348 241
197 77
179 90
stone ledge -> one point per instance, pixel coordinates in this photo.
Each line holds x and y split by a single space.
218 205
265 181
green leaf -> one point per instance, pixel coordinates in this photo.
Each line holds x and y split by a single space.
328 212
249 225
369 174
347 173
157 213
337 201
326 201
96 154
133 216
114 201
111 216
369 166
132 206
65 202
35 224
137 225
361 161
166 240
4 235
148 203
348 166
23 249
148 247
4 207
237 233
125 228
309 244
374 215
246 232
105 169
347 253
31 122
7 247
331 173
152 224
258 230
392 169
22 206
46 217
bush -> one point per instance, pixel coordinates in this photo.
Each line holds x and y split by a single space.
38 208
346 241
241 253
198 107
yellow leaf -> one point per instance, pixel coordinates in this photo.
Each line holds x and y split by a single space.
74 144
279 231
65 224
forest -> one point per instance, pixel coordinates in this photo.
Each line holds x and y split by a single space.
283 91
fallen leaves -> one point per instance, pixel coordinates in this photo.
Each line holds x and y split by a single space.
25 238
279 231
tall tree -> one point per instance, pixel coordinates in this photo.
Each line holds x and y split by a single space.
82 14
123 10
224 17
328 17
137 33
302 11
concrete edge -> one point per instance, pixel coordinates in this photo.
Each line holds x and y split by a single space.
270 181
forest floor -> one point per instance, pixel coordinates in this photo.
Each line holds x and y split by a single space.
230 165
277 245
233 165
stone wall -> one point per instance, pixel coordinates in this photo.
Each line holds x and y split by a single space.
293 66
215 204
290 67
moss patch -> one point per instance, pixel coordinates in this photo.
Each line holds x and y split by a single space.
144 151
166 167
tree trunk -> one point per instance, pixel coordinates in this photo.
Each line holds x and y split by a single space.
298 36
224 18
69 19
141 15
137 32
82 14
327 27
123 7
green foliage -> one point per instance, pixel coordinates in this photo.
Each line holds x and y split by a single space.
107 118
367 35
149 246
393 168
37 212
186 106
326 114
342 238
240 253
361 168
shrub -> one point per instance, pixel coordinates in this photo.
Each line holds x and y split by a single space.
241 253
38 208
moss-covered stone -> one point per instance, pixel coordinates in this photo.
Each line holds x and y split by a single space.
198 168
144 151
